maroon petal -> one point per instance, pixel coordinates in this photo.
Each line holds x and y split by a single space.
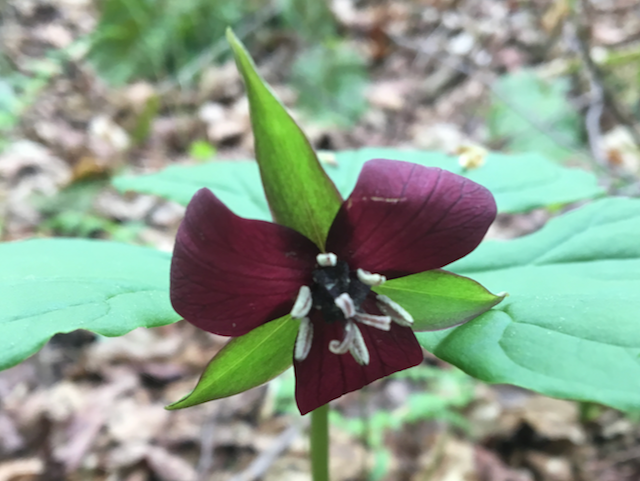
404 218
324 376
229 274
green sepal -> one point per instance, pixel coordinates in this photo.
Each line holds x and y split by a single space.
245 362
299 192
439 299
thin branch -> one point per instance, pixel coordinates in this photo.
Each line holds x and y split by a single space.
596 96
594 72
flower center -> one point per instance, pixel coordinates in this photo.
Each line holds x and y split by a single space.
339 294
336 292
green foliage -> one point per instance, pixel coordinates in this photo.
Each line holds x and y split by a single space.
49 286
533 115
245 362
299 193
570 326
201 150
142 126
83 224
70 213
9 106
518 182
312 20
437 299
155 38
17 92
330 79
329 75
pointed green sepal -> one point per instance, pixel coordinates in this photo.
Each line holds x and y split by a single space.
299 192
245 362
439 299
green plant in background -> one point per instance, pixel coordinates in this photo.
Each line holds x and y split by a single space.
144 39
9 109
329 74
153 39
441 395
533 115
330 79
202 151
17 92
437 394
70 213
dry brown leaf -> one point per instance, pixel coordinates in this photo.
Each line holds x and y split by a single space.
21 469
450 459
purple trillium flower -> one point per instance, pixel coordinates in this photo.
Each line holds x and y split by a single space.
230 275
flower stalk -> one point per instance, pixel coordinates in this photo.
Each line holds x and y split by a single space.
319 437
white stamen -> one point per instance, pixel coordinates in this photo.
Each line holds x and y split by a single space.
327 260
379 322
338 347
395 311
346 305
303 340
302 306
358 348
370 279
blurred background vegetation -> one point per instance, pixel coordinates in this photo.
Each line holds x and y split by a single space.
92 89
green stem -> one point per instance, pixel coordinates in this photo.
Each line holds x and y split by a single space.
320 443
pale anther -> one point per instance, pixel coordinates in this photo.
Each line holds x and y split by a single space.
327 260
379 322
346 305
370 279
303 340
358 348
303 303
395 311
338 347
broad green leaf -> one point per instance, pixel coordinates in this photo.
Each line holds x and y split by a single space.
518 182
246 362
439 299
534 115
300 194
570 327
237 184
48 286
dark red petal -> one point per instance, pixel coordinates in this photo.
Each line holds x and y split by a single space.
229 274
324 376
404 218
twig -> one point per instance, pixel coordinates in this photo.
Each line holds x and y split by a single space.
616 110
207 445
260 465
596 96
